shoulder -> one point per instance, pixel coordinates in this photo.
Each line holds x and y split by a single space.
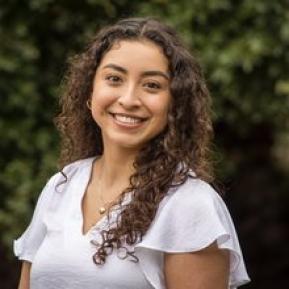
195 204
193 194
57 187
190 217
68 171
77 165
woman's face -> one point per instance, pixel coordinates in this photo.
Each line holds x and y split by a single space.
131 93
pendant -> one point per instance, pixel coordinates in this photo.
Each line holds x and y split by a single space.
102 210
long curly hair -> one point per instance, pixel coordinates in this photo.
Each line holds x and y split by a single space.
166 159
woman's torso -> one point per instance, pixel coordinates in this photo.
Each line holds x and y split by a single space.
64 259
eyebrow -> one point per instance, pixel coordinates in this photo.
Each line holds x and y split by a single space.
145 73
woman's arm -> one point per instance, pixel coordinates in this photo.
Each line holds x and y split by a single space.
204 269
24 282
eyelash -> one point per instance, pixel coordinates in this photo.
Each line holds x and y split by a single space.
115 79
111 78
156 86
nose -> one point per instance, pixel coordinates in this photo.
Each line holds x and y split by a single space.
129 98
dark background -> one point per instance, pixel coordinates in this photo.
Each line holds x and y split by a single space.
244 49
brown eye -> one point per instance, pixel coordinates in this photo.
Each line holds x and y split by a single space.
152 85
113 79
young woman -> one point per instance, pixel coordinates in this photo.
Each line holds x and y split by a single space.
132 207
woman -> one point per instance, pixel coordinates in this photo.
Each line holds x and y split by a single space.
132 206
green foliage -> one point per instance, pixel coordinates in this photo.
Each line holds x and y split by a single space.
243 46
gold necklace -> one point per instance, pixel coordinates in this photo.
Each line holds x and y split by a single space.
103 208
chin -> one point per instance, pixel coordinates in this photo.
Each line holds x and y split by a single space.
125 142
130 145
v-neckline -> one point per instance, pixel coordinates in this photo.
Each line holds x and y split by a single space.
88 175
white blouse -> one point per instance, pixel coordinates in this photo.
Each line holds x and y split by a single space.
189 218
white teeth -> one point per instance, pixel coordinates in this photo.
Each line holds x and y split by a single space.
127 119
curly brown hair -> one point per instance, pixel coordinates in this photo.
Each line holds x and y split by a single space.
166 160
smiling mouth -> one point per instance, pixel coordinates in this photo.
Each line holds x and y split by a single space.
127 119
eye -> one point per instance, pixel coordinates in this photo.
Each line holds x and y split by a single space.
113 79
152 85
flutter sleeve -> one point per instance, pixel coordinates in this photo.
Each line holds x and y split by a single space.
189 219
26 246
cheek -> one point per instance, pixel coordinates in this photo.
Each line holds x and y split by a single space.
159 107
101 98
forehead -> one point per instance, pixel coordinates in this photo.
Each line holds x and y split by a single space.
142 54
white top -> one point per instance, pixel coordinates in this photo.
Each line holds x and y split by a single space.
189 218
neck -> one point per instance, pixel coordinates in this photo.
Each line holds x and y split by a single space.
115 167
